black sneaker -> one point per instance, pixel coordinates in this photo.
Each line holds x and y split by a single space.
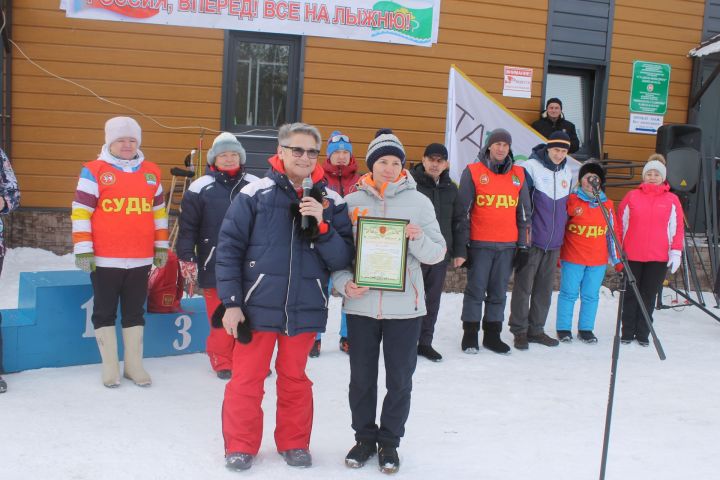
224 374
3 385
626 340
315 350
239 461
587 336
643 343
360 454
344 345
543 339
429 352
388 459
565 336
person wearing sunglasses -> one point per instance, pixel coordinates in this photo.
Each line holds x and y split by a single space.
341 176
273 274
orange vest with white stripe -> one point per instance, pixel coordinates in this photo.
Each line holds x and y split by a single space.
123 224
493 215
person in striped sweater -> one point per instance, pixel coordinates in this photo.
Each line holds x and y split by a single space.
119 229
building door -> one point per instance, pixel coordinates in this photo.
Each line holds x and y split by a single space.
261 91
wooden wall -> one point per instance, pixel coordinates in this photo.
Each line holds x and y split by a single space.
174 74
660 31
363 86
170 73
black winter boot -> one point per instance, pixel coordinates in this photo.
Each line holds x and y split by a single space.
360 454
491 338
388 459
469 342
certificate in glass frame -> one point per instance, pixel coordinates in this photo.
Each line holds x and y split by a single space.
381 253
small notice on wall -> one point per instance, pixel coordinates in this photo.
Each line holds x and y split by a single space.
643 123
517 82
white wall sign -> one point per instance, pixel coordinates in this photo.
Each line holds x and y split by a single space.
517 82
643 123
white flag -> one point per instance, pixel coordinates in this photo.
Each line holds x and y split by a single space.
472 114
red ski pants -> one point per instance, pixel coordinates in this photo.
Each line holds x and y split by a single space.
242 415
219 345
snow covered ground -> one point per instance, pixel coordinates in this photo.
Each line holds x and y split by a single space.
537 414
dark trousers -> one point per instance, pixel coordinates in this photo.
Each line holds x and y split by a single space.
399 340
649 277
487 282
532 292
128 286
434 280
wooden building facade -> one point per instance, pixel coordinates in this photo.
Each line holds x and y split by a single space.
195 77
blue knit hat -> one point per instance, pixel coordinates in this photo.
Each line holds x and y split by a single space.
338 141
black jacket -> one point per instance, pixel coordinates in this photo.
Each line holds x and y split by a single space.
444 197
203 209
546 127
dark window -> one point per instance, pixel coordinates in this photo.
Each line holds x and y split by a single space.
262 79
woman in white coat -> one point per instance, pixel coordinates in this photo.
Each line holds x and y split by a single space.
388 316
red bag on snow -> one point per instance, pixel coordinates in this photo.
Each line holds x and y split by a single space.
165 287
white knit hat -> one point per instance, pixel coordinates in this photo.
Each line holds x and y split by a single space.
225 142
120 127
655 165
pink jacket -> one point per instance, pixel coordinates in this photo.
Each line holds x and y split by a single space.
650 223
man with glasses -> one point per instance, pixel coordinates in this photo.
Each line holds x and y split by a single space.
272 277
433 181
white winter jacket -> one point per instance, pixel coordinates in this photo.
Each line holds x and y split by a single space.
399 200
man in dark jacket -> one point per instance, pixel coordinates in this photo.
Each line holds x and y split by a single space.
272 271
433 180
552 120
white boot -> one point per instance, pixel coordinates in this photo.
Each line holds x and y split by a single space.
107 344
133 341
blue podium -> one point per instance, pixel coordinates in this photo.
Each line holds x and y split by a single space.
51 326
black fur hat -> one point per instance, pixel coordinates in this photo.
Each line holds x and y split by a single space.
592 166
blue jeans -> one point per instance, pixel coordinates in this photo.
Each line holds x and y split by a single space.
586 281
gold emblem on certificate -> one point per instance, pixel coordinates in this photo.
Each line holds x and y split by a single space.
381 253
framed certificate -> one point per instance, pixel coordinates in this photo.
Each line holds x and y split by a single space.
381 253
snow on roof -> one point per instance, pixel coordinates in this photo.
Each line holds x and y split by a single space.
708 47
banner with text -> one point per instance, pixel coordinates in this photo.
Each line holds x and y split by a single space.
472 114
411 22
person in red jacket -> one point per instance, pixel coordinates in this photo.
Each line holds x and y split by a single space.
584 254
341 176
650 230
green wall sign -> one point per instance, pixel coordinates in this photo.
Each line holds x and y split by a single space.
649 88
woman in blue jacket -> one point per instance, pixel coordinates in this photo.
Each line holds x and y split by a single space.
202 211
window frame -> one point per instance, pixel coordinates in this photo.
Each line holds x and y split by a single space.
294 85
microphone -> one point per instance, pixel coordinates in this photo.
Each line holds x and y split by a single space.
594 183
307 185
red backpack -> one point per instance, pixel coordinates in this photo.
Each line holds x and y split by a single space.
165 287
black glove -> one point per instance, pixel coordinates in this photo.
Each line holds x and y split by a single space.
244 334
522 255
